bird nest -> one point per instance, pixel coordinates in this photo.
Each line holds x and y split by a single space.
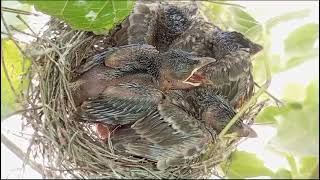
72 149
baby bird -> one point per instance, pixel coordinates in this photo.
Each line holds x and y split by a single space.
169 70
181 26
215 110
167 129
155 23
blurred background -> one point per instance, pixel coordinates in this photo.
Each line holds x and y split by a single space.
288 129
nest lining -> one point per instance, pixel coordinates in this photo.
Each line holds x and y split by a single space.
72 149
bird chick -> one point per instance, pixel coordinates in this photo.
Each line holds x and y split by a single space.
170 70
181 26
165 127
155 23
175 130
216 111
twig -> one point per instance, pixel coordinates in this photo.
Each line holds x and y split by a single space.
26 24
269 94
21 111
22 32
11 36
18 11
20 154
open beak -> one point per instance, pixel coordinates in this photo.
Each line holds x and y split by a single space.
196 78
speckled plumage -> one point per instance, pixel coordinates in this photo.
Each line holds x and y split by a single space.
167 128
168 70
215 110
181 26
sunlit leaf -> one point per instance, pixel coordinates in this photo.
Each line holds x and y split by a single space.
268 115
282 174
14 65
307 166
97 16
241 20
245 164
296 60
293 92
312 93
301 40
298 132
286 17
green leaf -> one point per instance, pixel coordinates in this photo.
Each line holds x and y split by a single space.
97 16
296 60
312 96
241 20
301 40
14 64
282 174
291 90
268 115
270 23
298 132
307 166
244 165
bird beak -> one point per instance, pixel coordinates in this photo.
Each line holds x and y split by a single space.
255 48
196 78
247 131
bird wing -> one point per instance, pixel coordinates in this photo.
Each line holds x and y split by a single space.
231 76
167 134
116 57
230 68
134 29
121 104
128 55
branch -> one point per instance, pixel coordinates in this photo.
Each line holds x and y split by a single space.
18 11
26 24
20 154
269 94
20 111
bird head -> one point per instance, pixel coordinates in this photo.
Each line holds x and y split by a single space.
245 43
177 17
179 69
218 113
226 42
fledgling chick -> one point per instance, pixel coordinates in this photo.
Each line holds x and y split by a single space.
169 70
216 111
180 26
175 130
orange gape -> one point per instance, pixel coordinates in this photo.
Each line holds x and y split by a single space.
103 131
